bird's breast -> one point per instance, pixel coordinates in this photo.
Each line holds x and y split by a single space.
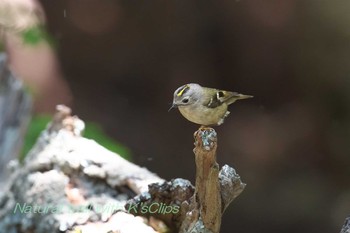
203 115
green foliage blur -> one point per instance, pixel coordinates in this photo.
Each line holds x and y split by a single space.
36 35
92 131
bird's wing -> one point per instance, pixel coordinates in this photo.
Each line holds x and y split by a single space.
219 97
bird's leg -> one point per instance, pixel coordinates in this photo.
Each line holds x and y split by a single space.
203 127
223 118
221 121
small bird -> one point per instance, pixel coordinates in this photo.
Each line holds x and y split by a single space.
204 106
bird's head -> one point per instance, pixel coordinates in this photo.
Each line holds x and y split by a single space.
186 95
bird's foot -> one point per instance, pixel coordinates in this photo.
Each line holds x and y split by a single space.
221 121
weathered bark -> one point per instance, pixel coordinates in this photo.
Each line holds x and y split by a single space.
15 107
76 176
79 177
207 178
346 226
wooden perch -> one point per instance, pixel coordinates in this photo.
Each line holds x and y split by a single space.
201 208
207 178
215 189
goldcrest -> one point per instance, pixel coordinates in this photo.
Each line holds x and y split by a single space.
204 106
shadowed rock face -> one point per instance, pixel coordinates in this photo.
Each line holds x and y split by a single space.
15 106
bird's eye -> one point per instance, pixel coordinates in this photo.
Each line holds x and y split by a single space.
185 101
221 94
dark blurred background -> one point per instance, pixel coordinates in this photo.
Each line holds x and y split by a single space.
122 60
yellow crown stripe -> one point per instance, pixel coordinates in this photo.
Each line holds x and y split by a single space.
182 91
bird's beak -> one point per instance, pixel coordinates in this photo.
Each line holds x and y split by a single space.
172 106
242 97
